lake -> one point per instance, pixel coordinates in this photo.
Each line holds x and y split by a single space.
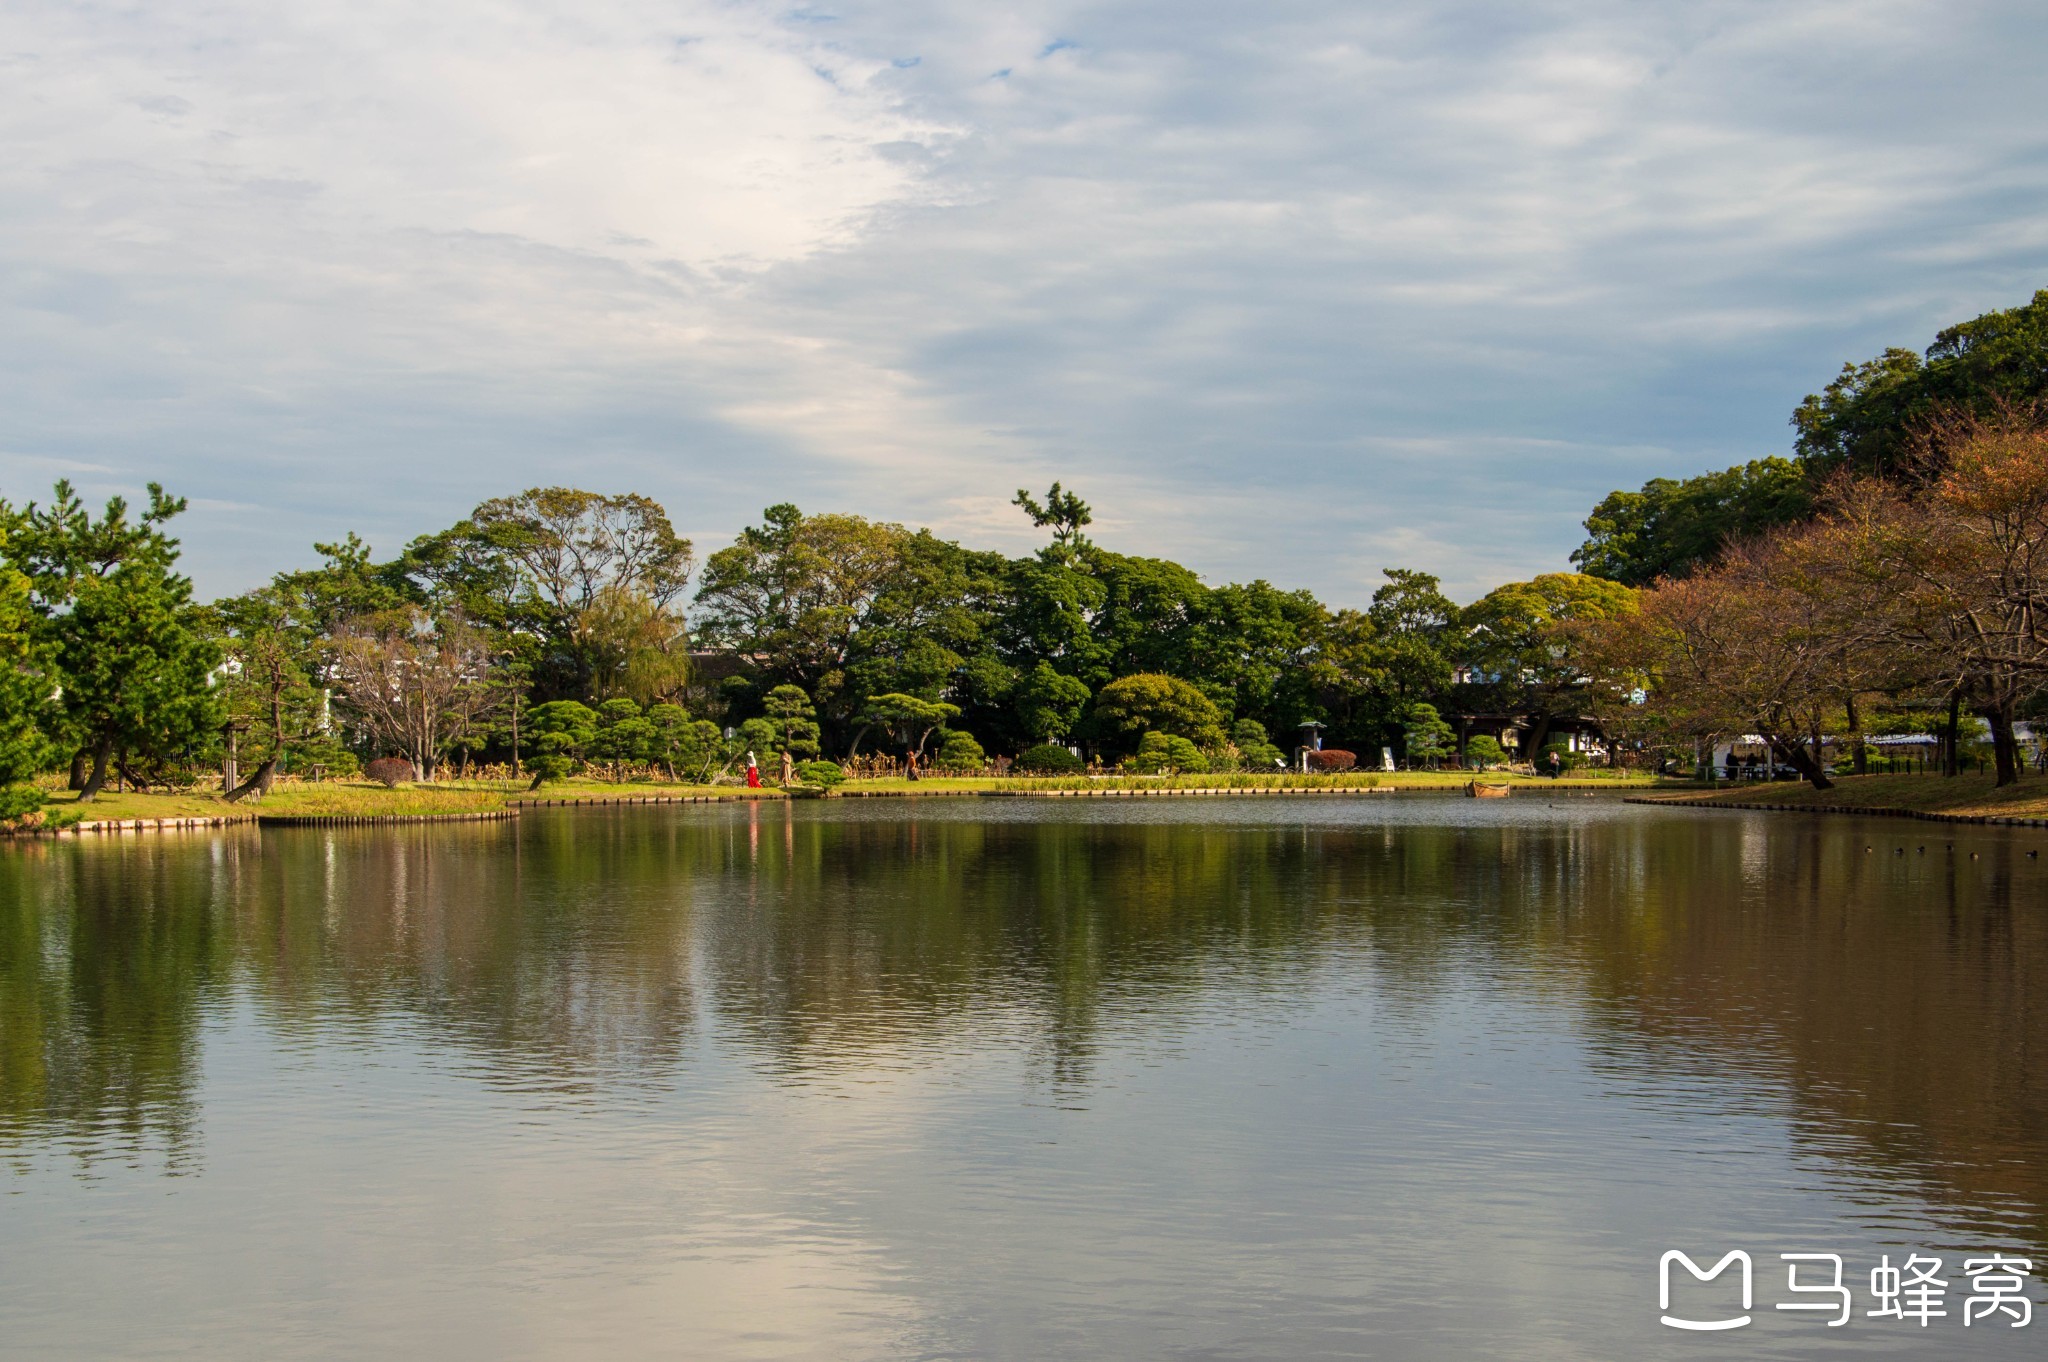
1382 1077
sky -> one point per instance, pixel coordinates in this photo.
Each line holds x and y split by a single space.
1297 290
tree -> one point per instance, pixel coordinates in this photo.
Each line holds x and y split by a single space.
682 744
907 718
1523 656
265 687
1672 526
1759 644
1484 751
796 591
1868 420
960 750
1251 646
593 583
416 685
1417 635
1145 619
1149 702
1370 666
1064 512
1954 579
1168 754
1047 704
1425 736
1254 749
624 736
128 652
1990 523
634 646
563 733
27 682
789 710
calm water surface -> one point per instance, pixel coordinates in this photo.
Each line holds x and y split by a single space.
1389 1078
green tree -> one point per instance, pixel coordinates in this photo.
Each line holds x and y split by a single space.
1484 751
794 719
797 591
1166 753
960 750
266 692
128 649
1373 665
1418 635
1251 648
1047 704
1672 526
1425 736
27 682
563 734
624 735
1064 512
908 719
1254 749
1154 703
684 746
1524 657
1147 618
1868 419
634 646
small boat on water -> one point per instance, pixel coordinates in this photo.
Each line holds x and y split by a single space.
1478 791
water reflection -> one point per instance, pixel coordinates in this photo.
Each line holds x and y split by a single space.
1871 989
1894 995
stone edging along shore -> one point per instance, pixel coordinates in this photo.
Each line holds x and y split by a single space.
116 825
364 820
1871 810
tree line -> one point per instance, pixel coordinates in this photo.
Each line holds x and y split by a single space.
1888 577
570 630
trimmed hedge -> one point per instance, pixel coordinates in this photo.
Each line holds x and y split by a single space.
1046 759
390 772
1332 759
826 773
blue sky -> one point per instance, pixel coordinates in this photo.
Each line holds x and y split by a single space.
1296 290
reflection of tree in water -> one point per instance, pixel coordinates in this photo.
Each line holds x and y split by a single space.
563 957
1896 997
107 965
1890 1001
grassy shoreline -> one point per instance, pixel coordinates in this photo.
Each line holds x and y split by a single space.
1965 796
364 799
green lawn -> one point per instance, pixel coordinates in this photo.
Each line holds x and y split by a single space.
128 804
364 799
1966 794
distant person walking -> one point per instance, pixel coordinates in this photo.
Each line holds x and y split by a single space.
753 772
1556 764
788 769
910 765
